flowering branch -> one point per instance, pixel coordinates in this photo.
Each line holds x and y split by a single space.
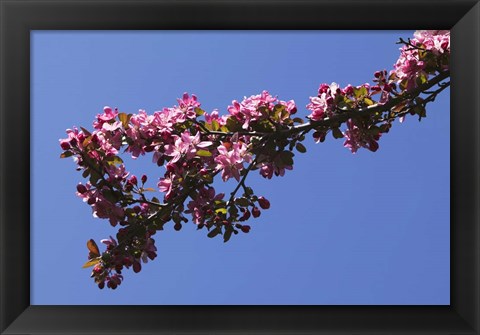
259 133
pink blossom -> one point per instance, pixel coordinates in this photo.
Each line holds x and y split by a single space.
323 104
164 120
74 139
268 169
110 144
112 126
110 243
248 110
318 106
104 209
149 251
101 207
108 115
188 105
356 137
202 203
166 185
138 143
214 116
410 65
437 41
116 172
185 145
290 104
231 161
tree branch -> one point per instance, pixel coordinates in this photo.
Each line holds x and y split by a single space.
349 113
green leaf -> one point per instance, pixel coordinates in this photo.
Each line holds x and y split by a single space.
110 196
227 235
87 141
398 108
374 130
279 112
421 79
233 124
199 111
300 148
94 177
114 160
368 101
214 232
243 202
337 133
91 262
208 126
86 173
204 153
86 132
285 158
221 211
360 92
124 118
208 178
66 154
420 111
149 189
215 125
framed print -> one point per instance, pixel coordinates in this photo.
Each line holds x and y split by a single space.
37 294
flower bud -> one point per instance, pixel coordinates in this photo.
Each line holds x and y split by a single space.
65 145
264 203
245 229
245 216
144 179
133 180
81 188
137 267
256 212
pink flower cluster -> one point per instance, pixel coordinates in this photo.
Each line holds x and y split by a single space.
356 136
258 133
424 55
324 105
112 274
257 108
427 52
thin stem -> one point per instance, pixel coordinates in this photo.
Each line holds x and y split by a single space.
349 113
242 181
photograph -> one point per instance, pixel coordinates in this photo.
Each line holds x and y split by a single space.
352 214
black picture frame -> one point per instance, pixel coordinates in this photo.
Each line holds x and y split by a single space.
19 17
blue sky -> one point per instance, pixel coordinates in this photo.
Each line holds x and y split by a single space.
343 229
